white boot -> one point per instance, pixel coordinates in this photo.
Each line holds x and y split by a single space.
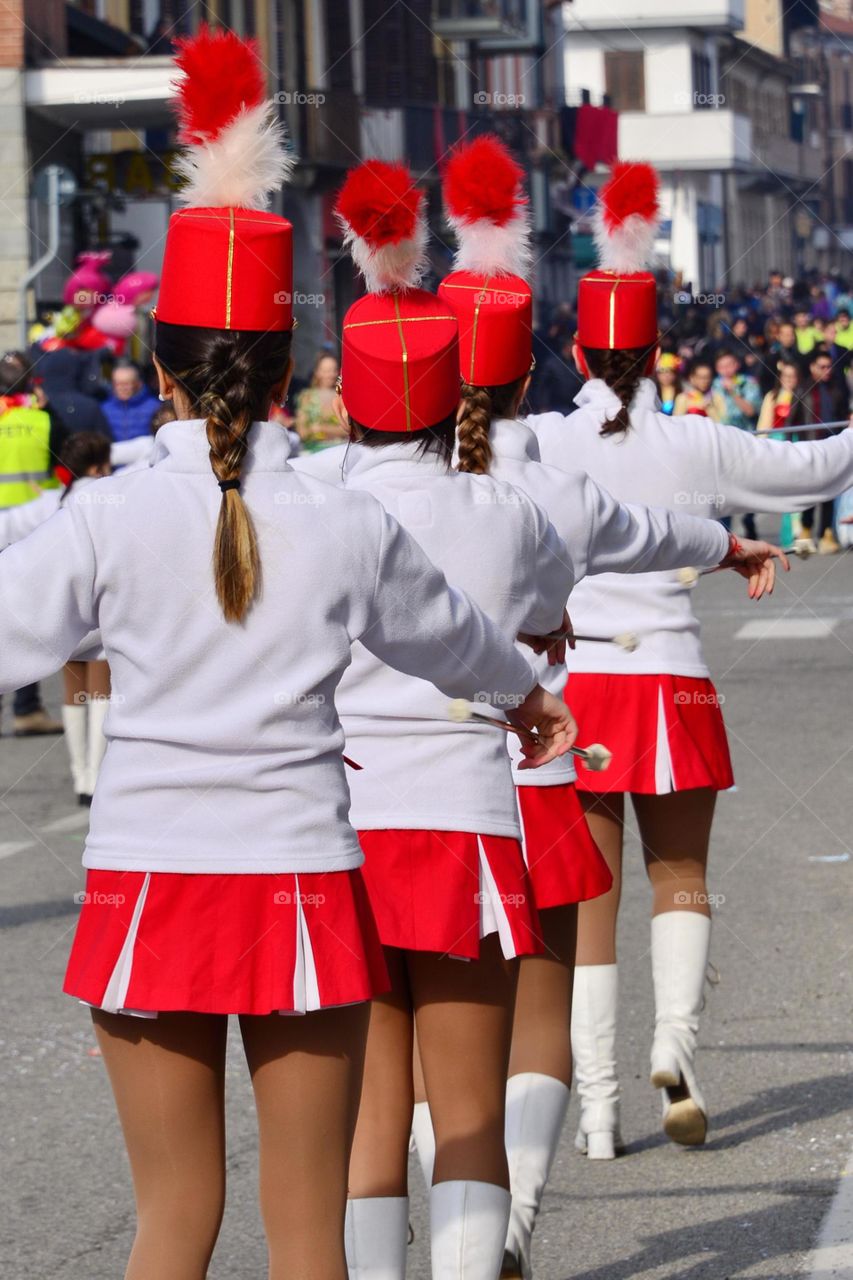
468 1222
376 1234
680 944
424 1140
74 719
535 1110
594 1051
96 743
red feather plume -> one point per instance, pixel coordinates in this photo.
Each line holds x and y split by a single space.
380 203
482 180
223 74
630 189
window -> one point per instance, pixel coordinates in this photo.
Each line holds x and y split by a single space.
625 80
702 87
338 44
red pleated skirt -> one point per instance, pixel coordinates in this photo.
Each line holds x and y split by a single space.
666 732
564 862
148 943
445 890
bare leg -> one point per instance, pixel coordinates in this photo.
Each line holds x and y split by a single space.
676 833
543 1005
306 1074
605 815
464 1017
97 679
168 1078
380 1155
74 682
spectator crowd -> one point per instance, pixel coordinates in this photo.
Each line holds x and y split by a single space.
776 358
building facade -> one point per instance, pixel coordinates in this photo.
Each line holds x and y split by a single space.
705 96
87 85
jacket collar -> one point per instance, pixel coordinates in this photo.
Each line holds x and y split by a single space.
512 438
183 446
597 396
401 458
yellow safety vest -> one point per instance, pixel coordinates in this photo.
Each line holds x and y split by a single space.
25 463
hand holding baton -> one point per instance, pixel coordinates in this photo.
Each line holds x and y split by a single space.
595 756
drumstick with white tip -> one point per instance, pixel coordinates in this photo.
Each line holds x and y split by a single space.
627 640
595 756
689 577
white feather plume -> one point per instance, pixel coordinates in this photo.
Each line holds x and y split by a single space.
388 267
626 249
486 248
242 167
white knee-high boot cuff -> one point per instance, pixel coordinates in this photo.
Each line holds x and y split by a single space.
376 1235
468 1222
74 719
535 1111
96 743
594 1050
681 942
422 1132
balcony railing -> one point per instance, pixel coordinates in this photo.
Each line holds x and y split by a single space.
718 140
630 14
478 19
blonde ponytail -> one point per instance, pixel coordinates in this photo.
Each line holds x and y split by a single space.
228 378
236 561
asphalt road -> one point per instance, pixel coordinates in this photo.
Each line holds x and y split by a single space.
776 1051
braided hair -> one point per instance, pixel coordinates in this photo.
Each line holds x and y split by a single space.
623 369
480 405
228 376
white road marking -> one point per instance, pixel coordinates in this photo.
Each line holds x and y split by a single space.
786 629
9 847
832 1259
70 823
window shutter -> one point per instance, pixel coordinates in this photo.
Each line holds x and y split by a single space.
625 80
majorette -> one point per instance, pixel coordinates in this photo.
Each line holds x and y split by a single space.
434 803
222 873
485 204
656 707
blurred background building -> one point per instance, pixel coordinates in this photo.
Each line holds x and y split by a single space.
745 106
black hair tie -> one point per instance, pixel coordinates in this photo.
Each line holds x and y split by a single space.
225 485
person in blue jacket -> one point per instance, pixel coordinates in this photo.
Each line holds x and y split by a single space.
131 406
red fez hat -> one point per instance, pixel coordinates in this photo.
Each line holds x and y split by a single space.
617 303
485 205
399 354
228 263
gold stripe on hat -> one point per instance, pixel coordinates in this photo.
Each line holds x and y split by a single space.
616 285
494 288
366 324
479 303
230 271
608 279
405 363
218 217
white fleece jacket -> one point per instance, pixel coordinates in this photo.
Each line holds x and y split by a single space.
224 744
493 542
602 536
692 465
